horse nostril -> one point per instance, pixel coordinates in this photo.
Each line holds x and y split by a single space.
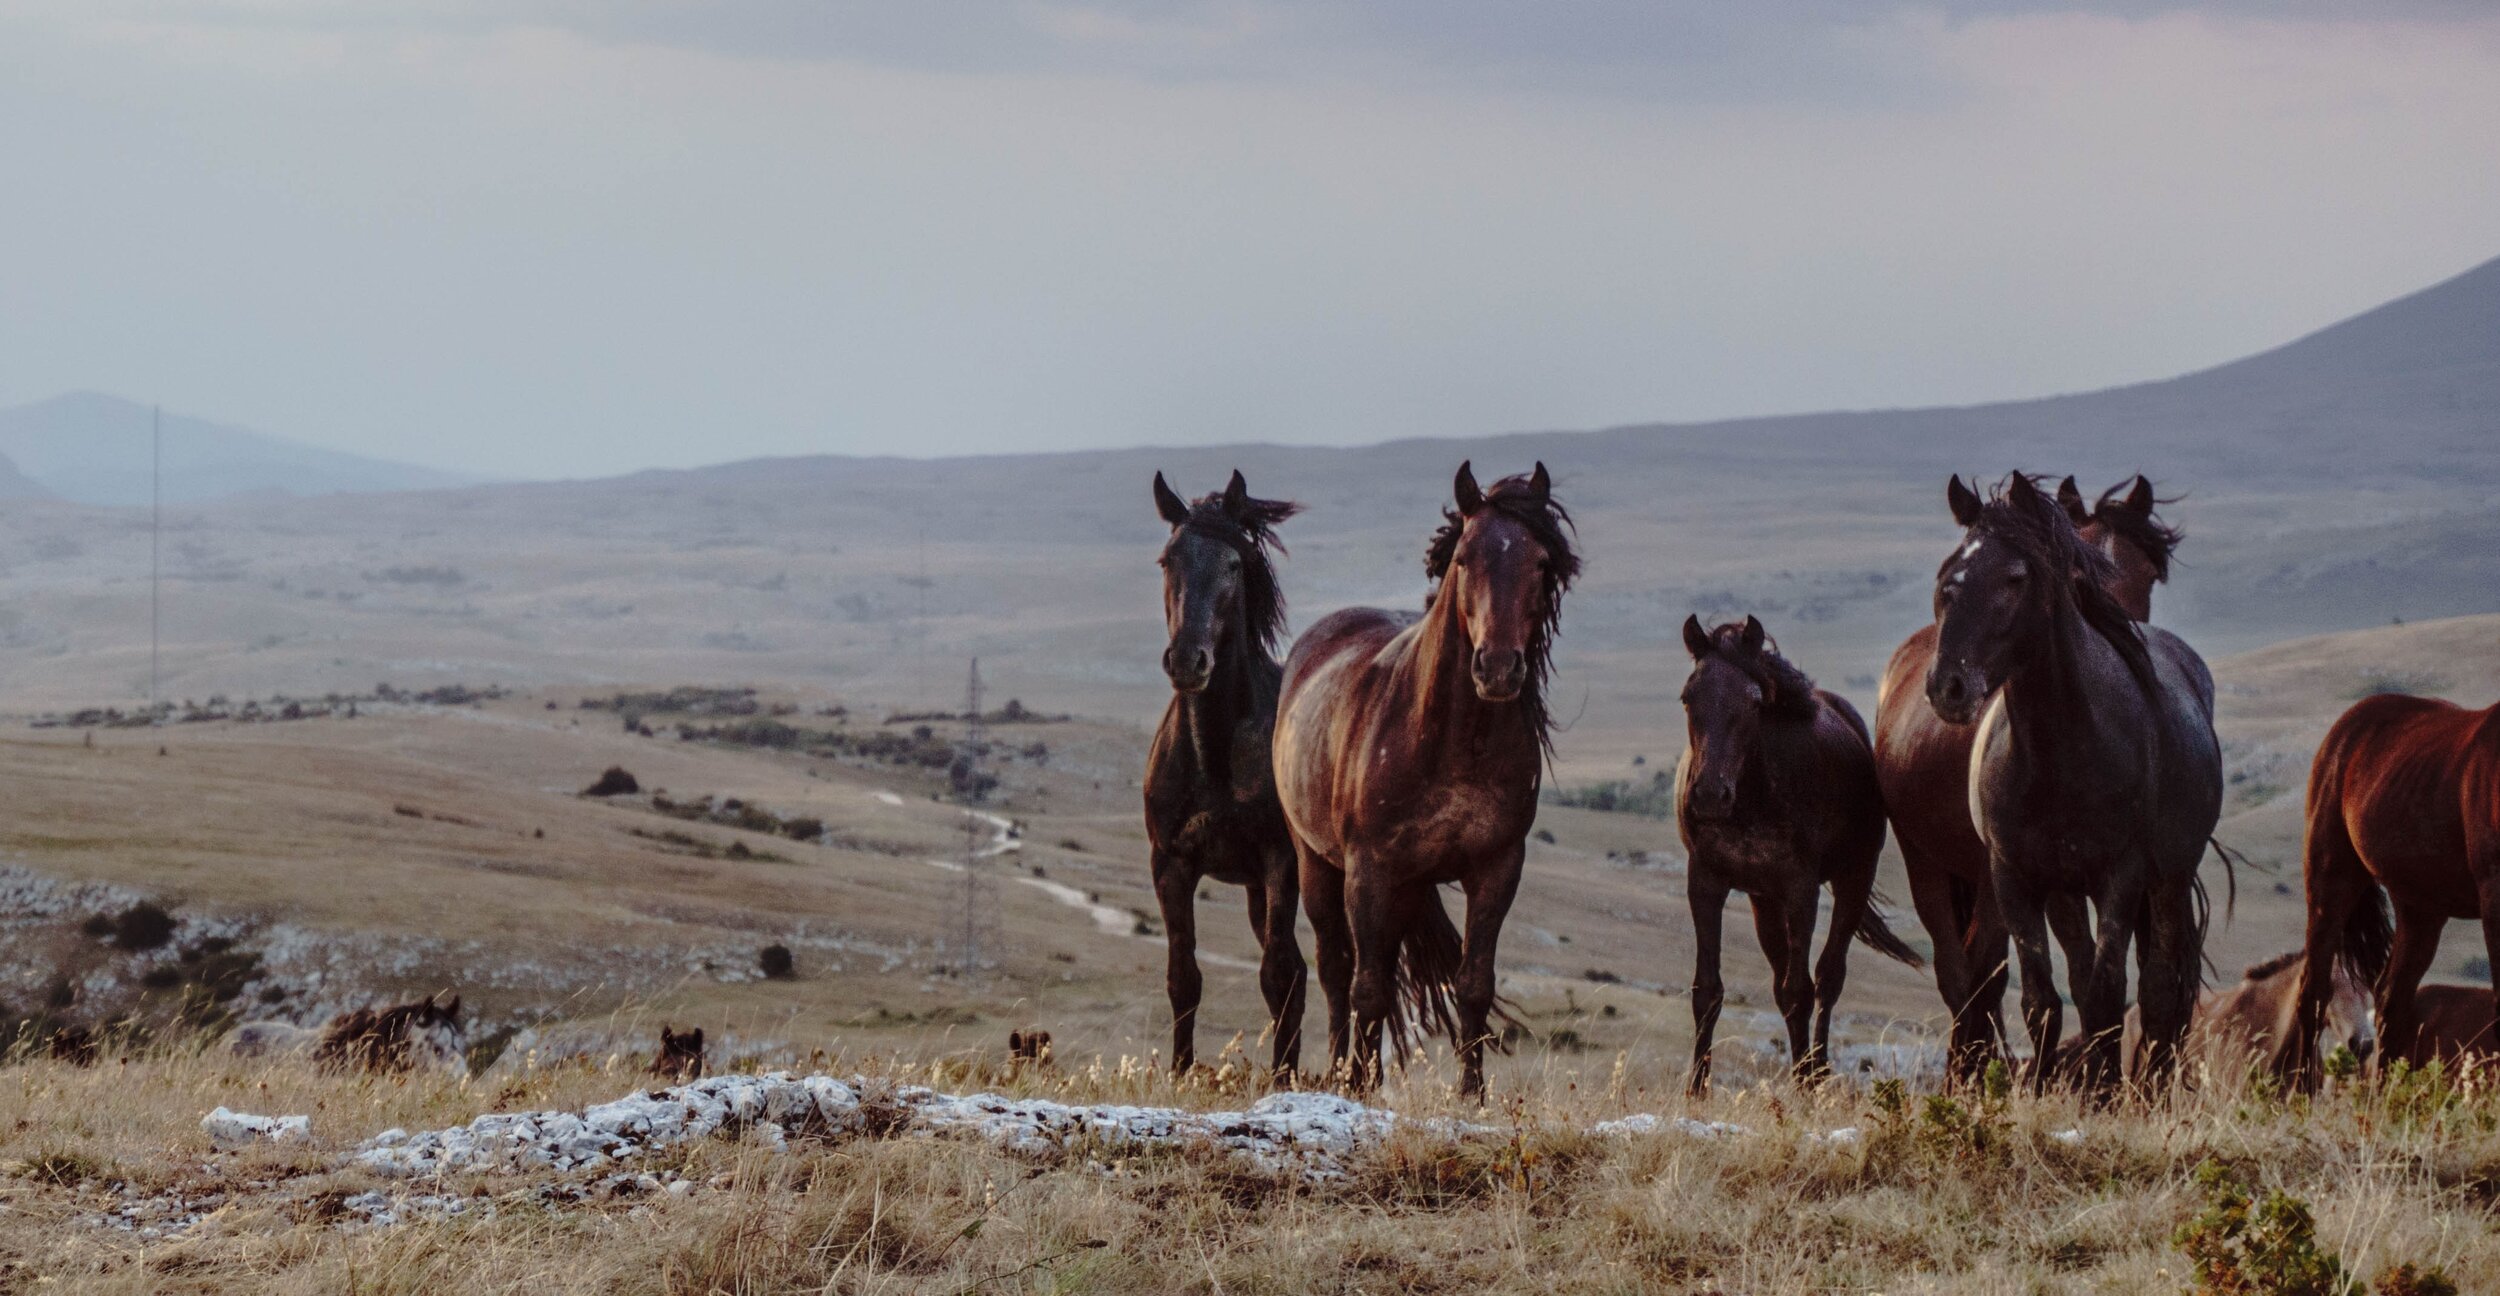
1953 688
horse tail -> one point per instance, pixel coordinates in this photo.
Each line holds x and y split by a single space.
1428 971
1877 935
2231 860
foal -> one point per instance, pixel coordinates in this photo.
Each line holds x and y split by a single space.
1776 797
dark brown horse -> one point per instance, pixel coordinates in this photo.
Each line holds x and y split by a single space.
2404 794
681 1055
403 1037
2454 1026
1409 751
1924 766
1776 797
2095 774
1211 807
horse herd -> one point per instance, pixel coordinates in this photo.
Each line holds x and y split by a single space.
2044 756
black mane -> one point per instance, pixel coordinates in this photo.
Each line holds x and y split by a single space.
1787 692
1253 538
1549 524
2033 524
2156 539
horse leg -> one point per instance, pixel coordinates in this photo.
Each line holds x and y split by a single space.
1489 895
1176 891
1931 894
2070 921
1708 897
1794 998
1376 917
2019 905
1323 899
1282 974
1987 952
2417 943
2101 984
2166 991
1851 888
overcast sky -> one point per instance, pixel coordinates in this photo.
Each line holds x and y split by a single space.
572 237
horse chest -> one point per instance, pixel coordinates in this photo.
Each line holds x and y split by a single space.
1749 857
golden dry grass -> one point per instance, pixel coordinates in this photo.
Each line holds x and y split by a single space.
1975 1196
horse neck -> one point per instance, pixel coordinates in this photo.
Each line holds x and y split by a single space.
2052 700
1213 715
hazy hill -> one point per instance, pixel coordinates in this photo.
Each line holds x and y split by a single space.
16 485
93 449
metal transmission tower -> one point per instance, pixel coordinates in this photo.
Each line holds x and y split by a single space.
983 841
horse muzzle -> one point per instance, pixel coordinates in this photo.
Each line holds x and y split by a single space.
1955 692
1501 674
1712 800
1189 668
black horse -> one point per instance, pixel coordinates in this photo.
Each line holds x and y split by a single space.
2095 771
1776 797
1211 809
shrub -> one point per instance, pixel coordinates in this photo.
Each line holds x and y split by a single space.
776 963
2242 1246
617 781
143 926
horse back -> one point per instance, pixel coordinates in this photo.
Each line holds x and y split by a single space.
2414 784
1318 710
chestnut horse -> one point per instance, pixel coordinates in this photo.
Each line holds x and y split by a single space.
1409 751
1776 797
2404 794
2095 774
1924 766
1211 807
2453 1026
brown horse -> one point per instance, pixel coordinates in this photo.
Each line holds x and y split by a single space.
2404 794
2237 1029
1776 797
2095 774
681 1055
403 1037
1409 750
1210 787
2454 1025
1923 764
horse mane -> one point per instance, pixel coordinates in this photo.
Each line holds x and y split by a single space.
2155 539
1251 535
1550 525
2033 524
2259 971
1787 692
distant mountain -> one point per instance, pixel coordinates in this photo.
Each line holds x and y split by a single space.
15 485
93 449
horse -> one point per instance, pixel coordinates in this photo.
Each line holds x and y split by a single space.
402 1037
2235 1030
2404 794
681 1055
2454 1026
1923 764
1210 788
1409 753
1776 797
1028 1047
2094 774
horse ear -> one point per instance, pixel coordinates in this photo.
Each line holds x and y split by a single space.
1696 639
1236 496
1963 501
1170 505
2140 500
1470 496
2021 491
696 1039
1015 1041
1753 634
452 1009
2070 498
1541 483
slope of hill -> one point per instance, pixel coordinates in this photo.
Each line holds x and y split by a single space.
93 449
16 485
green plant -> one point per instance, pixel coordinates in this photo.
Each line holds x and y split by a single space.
2243 1246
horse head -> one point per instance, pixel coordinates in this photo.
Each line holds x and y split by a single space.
1217 580
1503 562
2000 593
1724 699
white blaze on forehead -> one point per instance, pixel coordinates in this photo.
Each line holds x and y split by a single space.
1973 547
